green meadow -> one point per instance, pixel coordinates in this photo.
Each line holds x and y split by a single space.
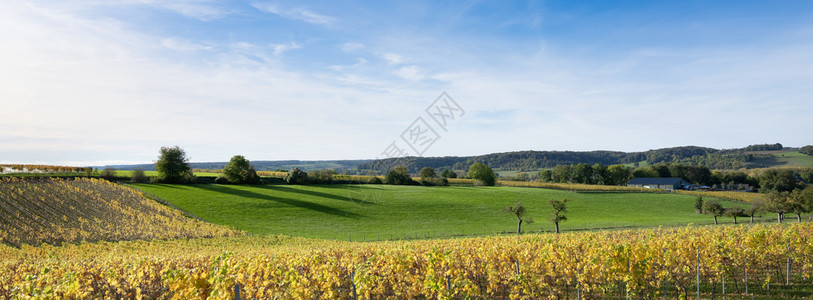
386 211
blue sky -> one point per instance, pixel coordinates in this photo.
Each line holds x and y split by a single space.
104 82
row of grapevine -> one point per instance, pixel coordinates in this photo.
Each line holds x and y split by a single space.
738 196
576 186
592 265
35 211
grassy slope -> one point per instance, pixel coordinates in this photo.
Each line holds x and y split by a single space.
788 158
329 211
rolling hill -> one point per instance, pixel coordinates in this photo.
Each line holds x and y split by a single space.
55 211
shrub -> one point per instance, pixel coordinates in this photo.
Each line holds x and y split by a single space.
251 177
296 176
448 174
375 180
221 180
138 176
321 176
399 176
428 176
108 173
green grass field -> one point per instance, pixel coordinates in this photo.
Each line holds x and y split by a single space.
373 211
789 158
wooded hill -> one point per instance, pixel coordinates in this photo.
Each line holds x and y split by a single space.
261 165
535 160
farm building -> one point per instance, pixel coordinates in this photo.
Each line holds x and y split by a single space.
668 183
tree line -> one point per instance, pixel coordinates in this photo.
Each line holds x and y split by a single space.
536 160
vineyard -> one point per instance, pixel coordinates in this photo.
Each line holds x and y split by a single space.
55 211
762 260
739 196
576 186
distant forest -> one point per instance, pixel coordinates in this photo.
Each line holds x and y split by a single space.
536 160
519 160
263 165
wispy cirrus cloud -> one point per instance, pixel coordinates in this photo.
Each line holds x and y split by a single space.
296 13
349 47
392 58
279 49
204 10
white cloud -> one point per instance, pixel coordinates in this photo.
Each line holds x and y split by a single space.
296 13
185 45
359 62
204 10
281 48
409 72
349 47
392 58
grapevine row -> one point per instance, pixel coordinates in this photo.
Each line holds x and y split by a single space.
643 263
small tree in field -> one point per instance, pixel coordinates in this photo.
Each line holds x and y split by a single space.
138 176
559 210
108 173
734 213
427 176
482 174
802 201
518 210
779 202
713 209
296 176
173 165
399 175
757 207
239 170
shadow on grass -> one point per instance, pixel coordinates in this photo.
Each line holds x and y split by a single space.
162 185
293 202
282 188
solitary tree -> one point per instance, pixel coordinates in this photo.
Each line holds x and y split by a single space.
483 174
138 176
108 173
801 201
713 209
779 202
559 210
427 175
296 176
239 170
398 175
173 165
757 207
518 210
734 213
